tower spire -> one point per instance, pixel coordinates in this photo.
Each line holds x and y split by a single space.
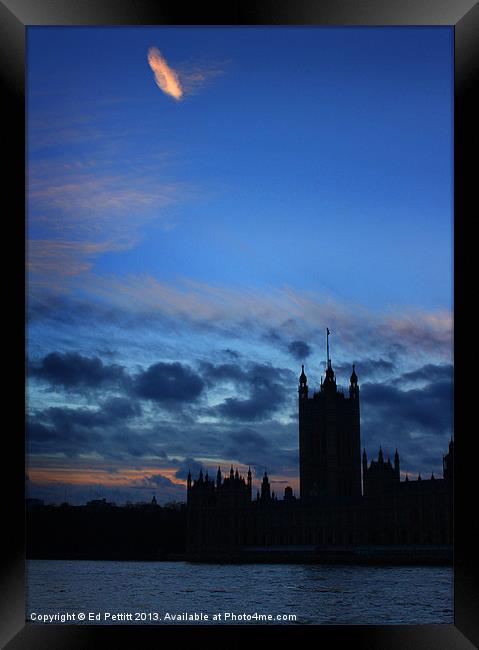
329 381
303 384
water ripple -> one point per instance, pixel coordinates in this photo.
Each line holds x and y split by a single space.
315 594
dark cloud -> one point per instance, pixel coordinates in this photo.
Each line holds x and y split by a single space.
155 481
72 370
273 336
133 443
249 375
428 373
300 350
249 437
213 374
262 389
246 443
121 408
70 440
111 412
254 408
85 431
412 421
261 448
365 368
67 419
187 465
265 385
169 382
232 354
427 409
38 432
297 348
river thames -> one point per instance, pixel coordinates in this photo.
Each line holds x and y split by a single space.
185 593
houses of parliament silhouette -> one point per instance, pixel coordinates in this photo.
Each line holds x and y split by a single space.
346 507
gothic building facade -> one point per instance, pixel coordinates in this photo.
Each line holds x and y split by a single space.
344 502
329 442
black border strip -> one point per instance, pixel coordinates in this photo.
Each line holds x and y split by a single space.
15 16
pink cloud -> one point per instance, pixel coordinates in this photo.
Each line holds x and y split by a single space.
165 77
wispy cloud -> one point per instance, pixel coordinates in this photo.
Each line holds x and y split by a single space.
196 75
55 129
277 322
79 198
65 258
75 215
291 313
188 78
165 77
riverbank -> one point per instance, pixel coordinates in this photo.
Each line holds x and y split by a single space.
361 555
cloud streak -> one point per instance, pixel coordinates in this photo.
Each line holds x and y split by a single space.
291 314
165 77
76 215
196 75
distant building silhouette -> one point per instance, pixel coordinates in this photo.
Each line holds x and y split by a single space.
337 507
31 502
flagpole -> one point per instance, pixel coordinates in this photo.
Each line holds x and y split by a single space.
327 347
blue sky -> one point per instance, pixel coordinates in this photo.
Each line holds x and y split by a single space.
199 247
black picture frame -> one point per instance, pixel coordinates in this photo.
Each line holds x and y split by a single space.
463 16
